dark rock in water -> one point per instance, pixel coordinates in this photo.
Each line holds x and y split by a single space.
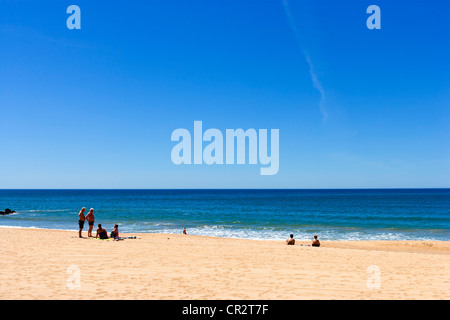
7 211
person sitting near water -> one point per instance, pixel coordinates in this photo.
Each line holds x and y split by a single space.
101 233
291 240
184 231
315 242
115 232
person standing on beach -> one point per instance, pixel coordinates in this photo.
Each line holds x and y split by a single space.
291 240
90 218
81 219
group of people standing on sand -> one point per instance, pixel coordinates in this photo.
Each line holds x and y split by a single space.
101 232
291 241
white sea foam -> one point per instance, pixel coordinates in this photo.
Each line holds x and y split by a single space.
10 214
33 227
338 234
278 235
44 210
17 227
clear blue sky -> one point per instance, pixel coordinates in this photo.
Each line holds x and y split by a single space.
95 108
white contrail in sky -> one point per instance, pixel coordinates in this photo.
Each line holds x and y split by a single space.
315 80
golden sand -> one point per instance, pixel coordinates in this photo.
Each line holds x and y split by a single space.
50 264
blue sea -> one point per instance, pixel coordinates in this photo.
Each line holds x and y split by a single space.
356 214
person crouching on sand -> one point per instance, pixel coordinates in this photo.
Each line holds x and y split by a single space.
291 240
90 218
101 233
315 242
81 219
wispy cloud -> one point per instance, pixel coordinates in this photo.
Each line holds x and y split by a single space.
314 78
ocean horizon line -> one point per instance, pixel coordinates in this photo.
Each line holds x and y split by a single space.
237 189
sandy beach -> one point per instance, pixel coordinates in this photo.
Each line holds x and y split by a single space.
51 264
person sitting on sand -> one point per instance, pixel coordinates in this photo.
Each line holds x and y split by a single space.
115 232
315 242
81 219
101 233
90 218
184 231
291 240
